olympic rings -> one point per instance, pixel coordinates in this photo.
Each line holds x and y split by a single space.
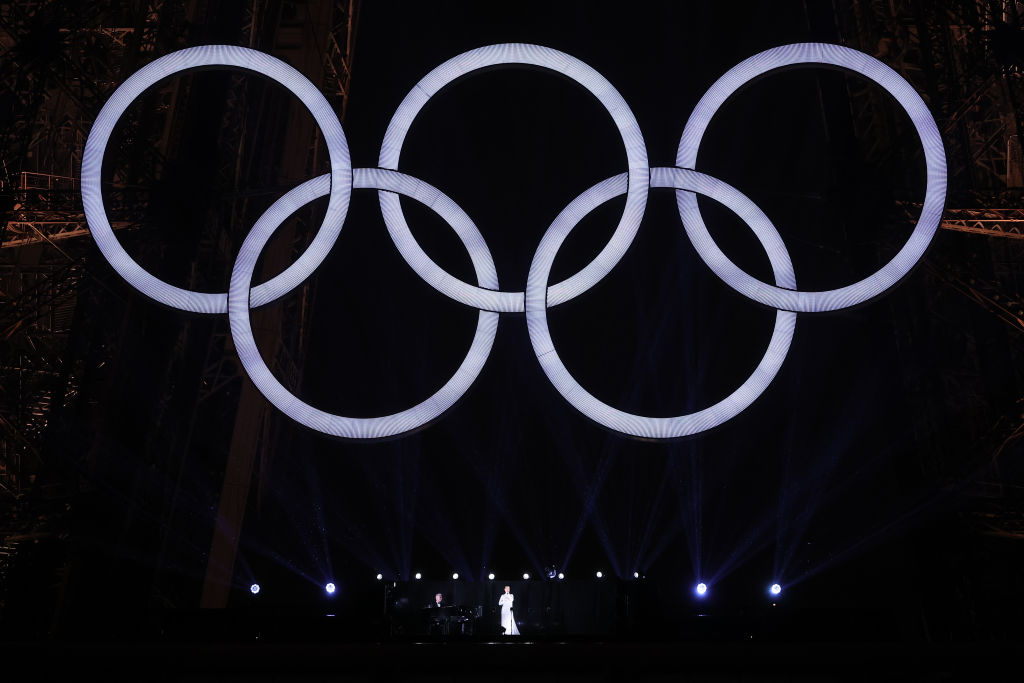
538 296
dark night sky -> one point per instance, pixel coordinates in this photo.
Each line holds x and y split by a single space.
820 472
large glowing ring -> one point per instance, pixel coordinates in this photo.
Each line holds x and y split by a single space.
191 58
566 65
639 425
287 402
935 164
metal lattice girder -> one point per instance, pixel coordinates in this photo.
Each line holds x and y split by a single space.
988 295
952 52
37 305
55 92
57 85
338 54
988 221
20 233
994 222
28 296
48 208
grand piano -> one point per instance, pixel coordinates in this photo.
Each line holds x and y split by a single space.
410 611
450 619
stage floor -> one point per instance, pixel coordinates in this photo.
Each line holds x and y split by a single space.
509 661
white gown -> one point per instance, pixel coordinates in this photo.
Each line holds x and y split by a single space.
507 621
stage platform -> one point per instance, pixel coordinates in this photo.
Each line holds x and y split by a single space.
521 660
271 645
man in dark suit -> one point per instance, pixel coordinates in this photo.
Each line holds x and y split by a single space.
437 624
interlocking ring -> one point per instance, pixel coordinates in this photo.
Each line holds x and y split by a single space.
935 165
638 425
287 402
538 295
529 55
193 58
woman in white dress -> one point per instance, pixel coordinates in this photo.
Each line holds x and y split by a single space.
508 621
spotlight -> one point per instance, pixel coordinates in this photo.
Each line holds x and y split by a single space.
380 576
561 575
636 575
418 576
599 575
455 576
775 589
701 588
526 576
491 577
329 588
255 588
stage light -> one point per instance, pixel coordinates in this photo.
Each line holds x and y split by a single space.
775 589
418 576
561 575
380 576
491 577
329 588
255 588
701 588
455 576
526 576
599 575
550 571
636 575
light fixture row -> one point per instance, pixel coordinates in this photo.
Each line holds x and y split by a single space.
701 589
526 576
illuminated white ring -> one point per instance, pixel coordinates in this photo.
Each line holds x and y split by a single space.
935 164
639 425
566 65
191 58
287 402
